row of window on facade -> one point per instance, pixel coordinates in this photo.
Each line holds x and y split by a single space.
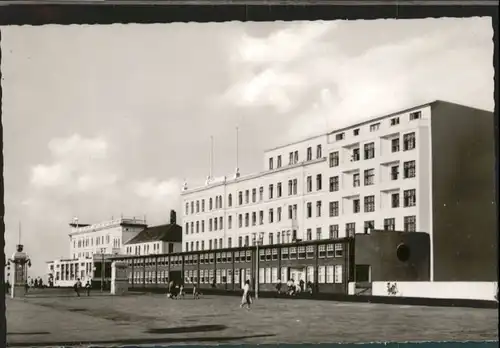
394 121
89 241
409 143
293 157
146 249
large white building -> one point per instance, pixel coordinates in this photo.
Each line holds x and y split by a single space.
92 245
374 174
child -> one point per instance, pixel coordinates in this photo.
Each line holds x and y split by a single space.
196 294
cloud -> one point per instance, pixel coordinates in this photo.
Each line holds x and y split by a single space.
158 190
323 86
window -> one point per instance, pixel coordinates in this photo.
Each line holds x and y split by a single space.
318 233
395 145
394 172
271 189
369 204
187 209
278 189
369 176
309 154
309 234
210 204
221 225
333 159
415 115
395 200
296 157
390 224
369 150
355 132
229 222
271 239
261 193
290 158
210 244
318 208
409 141
333 232
279 162
247 240
410 223
350 229
318 182
247 196
261 217
329 274
309 209
192 207
334 209
338 274
355 155
290 187
254 218
247 219
271 216
203 206
187 232
271 167
355 206
240 241
254 195
309 184
334 183
363 273
197 227
355 180
240 198
290 212
374 127
294 186
278 214
409 169
203 226
192 228
319 153
369 225
240 220
197 206
410 198
229 200
321 274
339 136
215 224
394 121
229 242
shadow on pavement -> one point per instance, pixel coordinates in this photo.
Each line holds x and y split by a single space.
117 342
187 329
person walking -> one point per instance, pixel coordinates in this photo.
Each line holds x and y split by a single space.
77 287
88 287
246 300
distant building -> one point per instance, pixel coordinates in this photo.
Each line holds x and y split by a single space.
92 245
429 168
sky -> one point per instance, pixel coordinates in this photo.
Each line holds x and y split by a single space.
101 121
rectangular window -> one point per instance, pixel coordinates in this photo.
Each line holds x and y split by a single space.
329 274
229 222
339 250
271 189
394 121
356 182
395 200
409 169
279 162
271 164
410 223
261 217
271 239
369 176
333 231
240 220
284 274
254 218
395 145
318 233
309 154
321 274
278 189
309 210
310 252
390 224
278 214
262 274
374 127
290 158
274 274
271 216
409 141
369 204
334 209
394 172
338 274
319 182
254 195
240 198
350 229
296 157
369 225
247 219
355 132
355 155
334 183
415 115
309 184
355 206
294 186
410 198
290 187
321 251
309 234
333 159
369 151
319 153
261 193
339 136
318 208
247 196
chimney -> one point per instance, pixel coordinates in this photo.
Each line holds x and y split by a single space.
173 217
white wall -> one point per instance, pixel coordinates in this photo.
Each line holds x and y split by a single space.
444 290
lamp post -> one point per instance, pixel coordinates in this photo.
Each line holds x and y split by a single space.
257 239
102 271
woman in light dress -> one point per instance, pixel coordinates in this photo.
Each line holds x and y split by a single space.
246 300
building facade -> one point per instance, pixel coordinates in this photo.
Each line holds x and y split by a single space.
379 174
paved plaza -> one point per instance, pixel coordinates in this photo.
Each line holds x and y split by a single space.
62 319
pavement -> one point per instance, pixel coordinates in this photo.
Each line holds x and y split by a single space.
145 319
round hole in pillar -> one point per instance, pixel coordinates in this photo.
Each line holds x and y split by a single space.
403 252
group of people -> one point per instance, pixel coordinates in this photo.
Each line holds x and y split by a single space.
78 286
294 288
176 291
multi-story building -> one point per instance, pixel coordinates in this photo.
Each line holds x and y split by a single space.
429 168
94 245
